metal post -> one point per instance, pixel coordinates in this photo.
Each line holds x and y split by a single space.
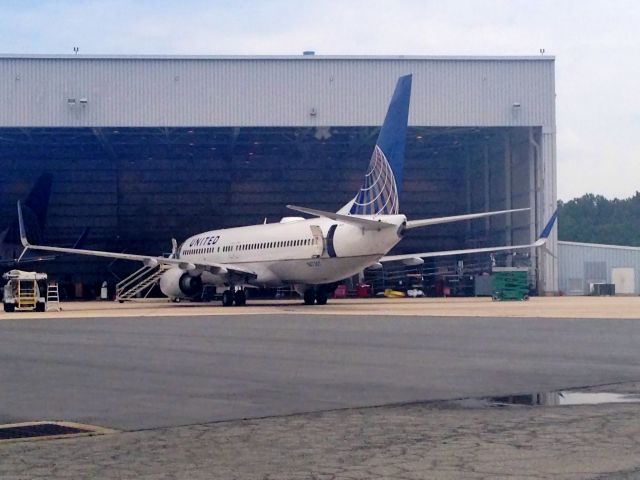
507 189
487 187
534 152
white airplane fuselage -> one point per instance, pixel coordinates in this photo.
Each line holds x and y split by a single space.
295 251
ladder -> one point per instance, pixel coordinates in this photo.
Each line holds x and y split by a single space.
26 294
53 297
139 282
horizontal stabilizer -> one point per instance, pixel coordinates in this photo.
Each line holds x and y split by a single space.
457 218
544 236
367 223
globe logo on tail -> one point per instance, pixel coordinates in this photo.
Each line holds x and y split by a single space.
379 193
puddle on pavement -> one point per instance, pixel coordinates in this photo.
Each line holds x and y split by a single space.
551 399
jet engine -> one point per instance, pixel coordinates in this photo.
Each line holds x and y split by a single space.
176 283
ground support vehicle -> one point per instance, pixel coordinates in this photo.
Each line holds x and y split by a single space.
24 291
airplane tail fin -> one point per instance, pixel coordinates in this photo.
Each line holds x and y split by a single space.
380 192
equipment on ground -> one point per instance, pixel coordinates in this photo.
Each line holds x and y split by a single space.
510 283
24 291
53 297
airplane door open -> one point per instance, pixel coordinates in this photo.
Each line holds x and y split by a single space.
318 241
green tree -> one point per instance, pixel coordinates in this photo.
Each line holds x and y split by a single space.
596 219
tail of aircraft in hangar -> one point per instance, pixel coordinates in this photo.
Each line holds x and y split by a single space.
36 206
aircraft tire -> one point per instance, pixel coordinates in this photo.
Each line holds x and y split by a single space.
309 296
9 307
321 296
240 297
227 298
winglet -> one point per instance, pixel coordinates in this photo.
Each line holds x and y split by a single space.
23 232
547 230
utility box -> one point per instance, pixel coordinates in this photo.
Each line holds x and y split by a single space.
24 291
602 289
510 283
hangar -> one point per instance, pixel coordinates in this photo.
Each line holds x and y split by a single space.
146 148
584 264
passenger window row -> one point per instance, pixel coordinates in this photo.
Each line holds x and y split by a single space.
253 246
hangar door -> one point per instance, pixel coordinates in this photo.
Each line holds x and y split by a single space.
624 280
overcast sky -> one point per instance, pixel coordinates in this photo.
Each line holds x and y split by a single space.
596 45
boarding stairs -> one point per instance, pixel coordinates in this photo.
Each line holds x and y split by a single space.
26 295
53 297
140 283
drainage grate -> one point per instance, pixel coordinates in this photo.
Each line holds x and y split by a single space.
35 430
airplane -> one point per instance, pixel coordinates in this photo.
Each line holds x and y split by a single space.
37 204
309 254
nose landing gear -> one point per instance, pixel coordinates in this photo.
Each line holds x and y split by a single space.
317 295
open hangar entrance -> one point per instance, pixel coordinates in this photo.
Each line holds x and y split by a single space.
136 188
146 148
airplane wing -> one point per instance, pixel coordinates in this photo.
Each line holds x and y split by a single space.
29 259
23 258
361 222
149 261
457 218
542 239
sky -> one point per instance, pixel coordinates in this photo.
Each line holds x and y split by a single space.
596 44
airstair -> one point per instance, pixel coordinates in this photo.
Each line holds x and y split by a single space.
27 295
140 283
53 297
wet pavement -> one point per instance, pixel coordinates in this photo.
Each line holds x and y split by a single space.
438 440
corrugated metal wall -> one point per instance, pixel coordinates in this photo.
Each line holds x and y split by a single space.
581 264
272 91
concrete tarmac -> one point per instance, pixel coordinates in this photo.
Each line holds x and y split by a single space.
203 392
438 441
155 371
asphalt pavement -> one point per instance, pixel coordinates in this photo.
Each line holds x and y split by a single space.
134 373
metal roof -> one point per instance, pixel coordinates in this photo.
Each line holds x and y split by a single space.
598 245
283 57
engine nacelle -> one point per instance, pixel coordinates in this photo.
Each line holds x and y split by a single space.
176 283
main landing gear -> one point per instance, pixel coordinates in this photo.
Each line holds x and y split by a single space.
317 295
229 297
